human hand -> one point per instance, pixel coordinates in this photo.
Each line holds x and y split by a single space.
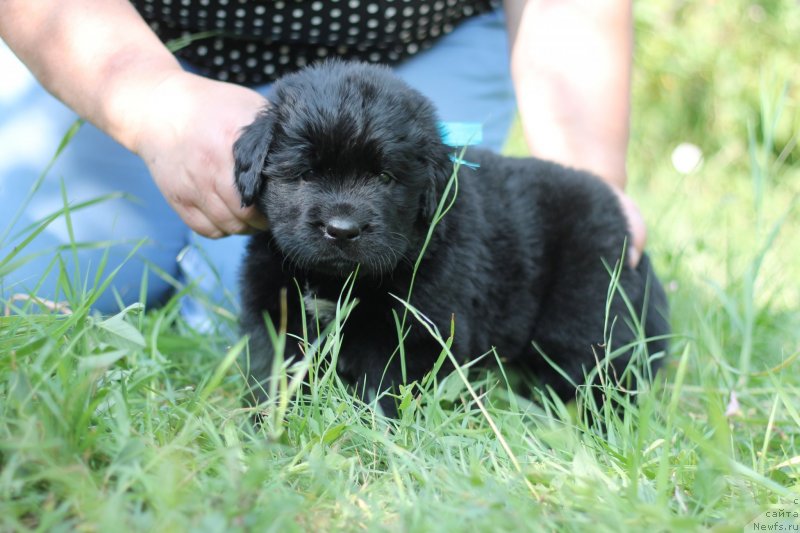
636 226
185 136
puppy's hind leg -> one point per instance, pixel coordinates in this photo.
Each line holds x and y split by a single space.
585 329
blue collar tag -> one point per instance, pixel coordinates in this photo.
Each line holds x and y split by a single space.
461 133
457 134
462 162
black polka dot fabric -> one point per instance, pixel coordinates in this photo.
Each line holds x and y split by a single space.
256 42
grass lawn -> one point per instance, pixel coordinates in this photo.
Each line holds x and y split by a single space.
134 421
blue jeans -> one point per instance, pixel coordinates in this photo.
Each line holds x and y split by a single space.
466 74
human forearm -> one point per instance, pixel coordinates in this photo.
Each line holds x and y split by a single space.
97 56
571 64
102 60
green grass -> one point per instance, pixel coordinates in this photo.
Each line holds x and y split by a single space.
135 421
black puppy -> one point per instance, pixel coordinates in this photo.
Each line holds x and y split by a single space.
348 165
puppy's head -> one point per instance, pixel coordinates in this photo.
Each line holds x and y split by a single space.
347 164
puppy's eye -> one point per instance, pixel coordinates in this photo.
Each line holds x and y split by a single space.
309 175
386 177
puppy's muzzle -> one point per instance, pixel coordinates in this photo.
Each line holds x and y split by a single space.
342 229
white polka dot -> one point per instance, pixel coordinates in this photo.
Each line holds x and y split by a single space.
372 30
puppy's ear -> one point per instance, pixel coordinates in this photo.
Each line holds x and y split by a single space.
440 169
250 155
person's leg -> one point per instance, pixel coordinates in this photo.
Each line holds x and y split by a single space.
32 124
467 76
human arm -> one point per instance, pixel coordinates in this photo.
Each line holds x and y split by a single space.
571 67
102 60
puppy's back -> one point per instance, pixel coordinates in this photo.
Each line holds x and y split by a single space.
559 232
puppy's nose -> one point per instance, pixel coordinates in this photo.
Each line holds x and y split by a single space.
342 229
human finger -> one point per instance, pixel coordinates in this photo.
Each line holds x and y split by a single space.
636 226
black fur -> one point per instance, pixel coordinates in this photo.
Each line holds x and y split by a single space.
348 166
